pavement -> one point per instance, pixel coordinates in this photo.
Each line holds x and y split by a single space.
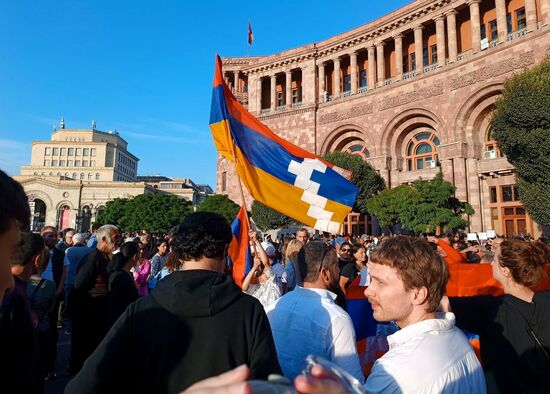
57 385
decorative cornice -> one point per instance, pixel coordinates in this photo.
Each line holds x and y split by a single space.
287 112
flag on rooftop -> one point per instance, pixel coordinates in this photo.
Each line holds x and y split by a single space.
275 172
250 34
239 250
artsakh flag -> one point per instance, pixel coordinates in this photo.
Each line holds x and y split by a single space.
239 250
250 34
275 172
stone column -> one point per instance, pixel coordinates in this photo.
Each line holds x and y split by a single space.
288 88
353 66
236 81
273 93
451 34
501 20
475 25
460 177
418 46
322 86
372 70
398 41
336 79
259 95
440 36
474 194
380 62
531 14
545 11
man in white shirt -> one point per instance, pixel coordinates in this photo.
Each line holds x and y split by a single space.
429 354
307 321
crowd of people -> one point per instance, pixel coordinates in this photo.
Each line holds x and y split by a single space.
161 313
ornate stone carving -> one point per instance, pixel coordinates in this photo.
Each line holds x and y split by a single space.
356 110
502 67
419 94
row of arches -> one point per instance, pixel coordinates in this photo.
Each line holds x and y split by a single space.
414 136
65 215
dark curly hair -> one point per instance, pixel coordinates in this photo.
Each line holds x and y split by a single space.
13 204
201 234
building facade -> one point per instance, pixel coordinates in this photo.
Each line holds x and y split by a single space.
412 93
89 155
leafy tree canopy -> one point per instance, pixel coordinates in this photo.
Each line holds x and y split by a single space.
421 207
521 127
267 218
221 204
152 212
364 177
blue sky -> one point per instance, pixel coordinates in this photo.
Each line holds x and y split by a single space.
143 68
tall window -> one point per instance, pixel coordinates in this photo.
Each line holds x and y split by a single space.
54 163
47 151
413 62
280 99
521 19
78 151
86 152
93 151
56 151
406 64
493 30
97 176
433 50
363 78
508 23
483 30
422 151
71 151
63 151
347 83
61 163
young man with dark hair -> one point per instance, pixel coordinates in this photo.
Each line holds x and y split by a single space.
196 324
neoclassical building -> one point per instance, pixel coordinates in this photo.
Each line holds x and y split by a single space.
412 93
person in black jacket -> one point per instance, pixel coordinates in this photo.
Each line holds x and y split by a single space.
197 323
514 330
122 288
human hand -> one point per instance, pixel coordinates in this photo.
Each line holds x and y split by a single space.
432 239
320 382
252 235
231 382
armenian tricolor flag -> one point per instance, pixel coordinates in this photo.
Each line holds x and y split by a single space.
239 250
275 172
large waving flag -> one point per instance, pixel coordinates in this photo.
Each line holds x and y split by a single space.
239 250
275 172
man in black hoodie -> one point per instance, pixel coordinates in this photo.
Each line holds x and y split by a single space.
196 324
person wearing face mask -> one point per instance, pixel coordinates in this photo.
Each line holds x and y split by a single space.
312 309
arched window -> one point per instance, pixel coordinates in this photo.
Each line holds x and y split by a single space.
359 149
89 176
490 150
97 176
422 151
82 175
74 175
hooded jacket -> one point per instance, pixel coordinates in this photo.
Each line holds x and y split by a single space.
195 324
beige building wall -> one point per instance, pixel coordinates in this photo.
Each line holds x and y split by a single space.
89 155
384 115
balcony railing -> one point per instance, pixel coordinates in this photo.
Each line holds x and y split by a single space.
297 104
387 81
409 75
464 55
363 89
347 93
429 68
516 34
265 111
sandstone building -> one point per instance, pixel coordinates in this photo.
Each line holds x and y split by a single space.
412 93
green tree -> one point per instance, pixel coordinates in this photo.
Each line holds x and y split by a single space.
364 177
267 218
421 207
152 212
221 204
521 127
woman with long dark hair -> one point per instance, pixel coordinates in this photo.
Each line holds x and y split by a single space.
122 288
514 330
351 270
